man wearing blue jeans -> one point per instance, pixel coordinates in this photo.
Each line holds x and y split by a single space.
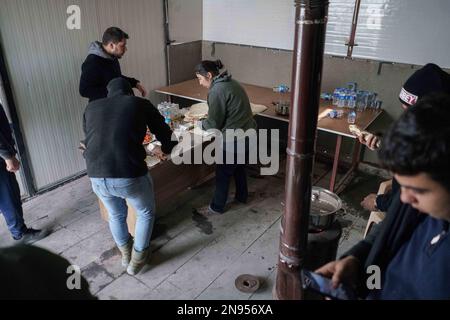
115 128
10 201
139 193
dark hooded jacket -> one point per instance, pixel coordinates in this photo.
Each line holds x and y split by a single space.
115 128
97 71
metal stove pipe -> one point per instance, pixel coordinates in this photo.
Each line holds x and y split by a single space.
310 28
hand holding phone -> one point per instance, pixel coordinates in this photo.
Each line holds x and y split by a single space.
320 284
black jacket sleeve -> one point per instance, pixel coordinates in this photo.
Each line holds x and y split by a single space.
91 83
156 124
7 149
362 249
385 200
82 146
133 82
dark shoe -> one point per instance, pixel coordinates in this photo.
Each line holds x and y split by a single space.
207 211
31 236
251 196
238 203
212 211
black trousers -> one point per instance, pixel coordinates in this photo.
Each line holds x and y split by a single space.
224 173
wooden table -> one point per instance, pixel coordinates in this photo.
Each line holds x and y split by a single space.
266 96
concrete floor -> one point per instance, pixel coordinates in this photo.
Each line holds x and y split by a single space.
193 257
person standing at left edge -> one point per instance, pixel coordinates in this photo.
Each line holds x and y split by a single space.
102 65
10 201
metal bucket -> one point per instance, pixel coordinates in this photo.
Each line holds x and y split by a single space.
324 205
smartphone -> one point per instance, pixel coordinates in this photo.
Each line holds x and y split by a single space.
322 285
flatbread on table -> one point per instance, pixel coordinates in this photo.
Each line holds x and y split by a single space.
257 108
200 110
197 111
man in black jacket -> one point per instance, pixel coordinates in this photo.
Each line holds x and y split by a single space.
412 246
102 65
428 79
10 201
115 128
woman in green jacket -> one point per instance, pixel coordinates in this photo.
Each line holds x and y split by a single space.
229 110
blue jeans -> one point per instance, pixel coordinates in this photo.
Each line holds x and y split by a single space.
139 193
10 202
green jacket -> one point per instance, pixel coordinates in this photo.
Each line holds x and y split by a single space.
229 106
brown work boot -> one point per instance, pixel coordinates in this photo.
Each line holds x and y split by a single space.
125 250
138 261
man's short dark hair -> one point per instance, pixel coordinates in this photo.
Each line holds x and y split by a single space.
114 35
419 142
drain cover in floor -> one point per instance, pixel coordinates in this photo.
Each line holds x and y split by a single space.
247 283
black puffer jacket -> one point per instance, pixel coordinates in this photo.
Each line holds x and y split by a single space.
115 128
97 71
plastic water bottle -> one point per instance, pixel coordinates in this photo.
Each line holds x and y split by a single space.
353 86
378 104
167 117
326 96
282 88
335 97
361 100
341 99
351 119
351 103
335 114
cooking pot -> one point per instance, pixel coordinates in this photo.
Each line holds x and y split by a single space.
324 205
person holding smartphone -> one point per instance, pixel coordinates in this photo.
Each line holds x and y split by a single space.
412 246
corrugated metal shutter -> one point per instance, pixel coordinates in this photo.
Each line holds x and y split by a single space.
405 31
44 60
340 14
271 23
